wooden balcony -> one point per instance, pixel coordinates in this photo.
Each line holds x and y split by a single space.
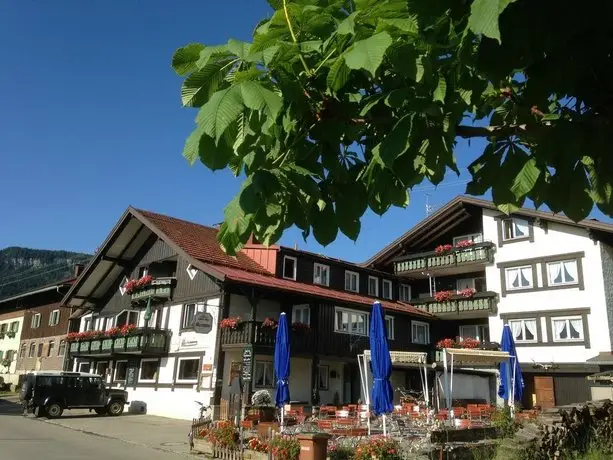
159 290
140 342
456 260
253 333
481 304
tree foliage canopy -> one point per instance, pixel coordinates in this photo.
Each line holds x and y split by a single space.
337 106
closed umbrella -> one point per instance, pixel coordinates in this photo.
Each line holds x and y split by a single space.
381 365
282 364
511 379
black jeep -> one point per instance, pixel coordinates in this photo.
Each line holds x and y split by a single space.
50 392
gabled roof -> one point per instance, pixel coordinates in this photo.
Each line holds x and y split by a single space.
457 207
55 286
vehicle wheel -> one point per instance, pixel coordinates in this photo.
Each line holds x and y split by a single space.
115 408
39 411
54 410
100 410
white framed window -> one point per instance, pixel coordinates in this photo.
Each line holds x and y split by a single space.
352 281
514 228
54 318
323 377
563 272
321 274
264 374
87 324
466 283
61 351
480 332
122 288
472 237
420 332
35 323
191 271
121 370
389 325
187 371
142 272
387 289
14 326
126 317
189 312
567 329
148 370
373 286
51 348
351 321
301 314
404 292
519 278
524 330
84 367
290 264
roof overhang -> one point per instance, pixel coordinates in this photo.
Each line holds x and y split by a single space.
55 287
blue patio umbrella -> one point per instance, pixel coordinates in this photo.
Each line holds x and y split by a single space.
381 363
510 371
282 362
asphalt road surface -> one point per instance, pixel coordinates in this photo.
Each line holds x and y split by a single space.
27 438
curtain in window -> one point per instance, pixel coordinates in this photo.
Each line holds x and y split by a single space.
576 326
514 274
520 227
526 274
570 270
560 329
555 273
530 329
516 329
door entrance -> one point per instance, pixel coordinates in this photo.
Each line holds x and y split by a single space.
543 390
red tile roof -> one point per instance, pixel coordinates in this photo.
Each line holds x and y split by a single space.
199 242
270 281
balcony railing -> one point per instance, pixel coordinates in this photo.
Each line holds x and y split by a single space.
160 289
142 341
480 302
480 253
253 333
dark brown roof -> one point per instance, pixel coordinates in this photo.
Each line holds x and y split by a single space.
462 201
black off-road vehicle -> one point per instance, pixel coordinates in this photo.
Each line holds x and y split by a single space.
50 392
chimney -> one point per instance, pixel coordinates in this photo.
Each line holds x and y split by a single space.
78 269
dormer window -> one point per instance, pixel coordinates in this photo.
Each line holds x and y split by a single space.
289 267
352 281
387 289
321 274
373 286
514 228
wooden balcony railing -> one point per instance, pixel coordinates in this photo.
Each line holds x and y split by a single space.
141 341
160 289
480 253
253 333
480 302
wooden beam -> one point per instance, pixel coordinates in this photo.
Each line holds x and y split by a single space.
116 260
447 224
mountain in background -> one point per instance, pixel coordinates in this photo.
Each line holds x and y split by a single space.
24 269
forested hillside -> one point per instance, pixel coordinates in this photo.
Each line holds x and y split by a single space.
22 269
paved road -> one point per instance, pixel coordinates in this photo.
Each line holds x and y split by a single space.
27 438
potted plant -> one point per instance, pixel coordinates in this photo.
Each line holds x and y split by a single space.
270 323
443 296
257 449
136 285
381 448
464 244
468 293
201 441
443 249
285 448
224 436
263 406
230 323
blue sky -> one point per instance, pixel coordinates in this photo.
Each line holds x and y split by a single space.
92 122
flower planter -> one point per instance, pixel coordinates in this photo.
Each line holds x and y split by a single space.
254 455
264 414
203 446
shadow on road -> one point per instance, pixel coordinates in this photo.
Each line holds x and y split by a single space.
68 415
10 407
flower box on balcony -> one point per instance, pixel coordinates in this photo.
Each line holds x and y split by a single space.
95 346
446 256
157 288
84 346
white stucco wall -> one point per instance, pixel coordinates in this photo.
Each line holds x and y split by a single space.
559 239
10 343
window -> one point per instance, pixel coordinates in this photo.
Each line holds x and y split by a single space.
102 368
289 267
387 289
351 322
142 271
15 326
264 374
83 367
473 237
121 369
3 328
323 377
126 317
188 369
189 312
87 324
51 347
480 332
373 286
10 355
524 330
61 351
352 281
404 292
22 350
389 325
39 352
301 314
563 272
32 351
54 318
148 370
420 332
567 329
519 277
35 323
513 229
321 274
466 283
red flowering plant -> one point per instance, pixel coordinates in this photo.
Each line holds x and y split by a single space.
464 244
203 433
285 448
337 451
113 332
73 336
97 334
132 286
127 329
469 342
445 343
269 322
381 448
443 296
300 326
443 249
468 292
223 436
258 445
230 323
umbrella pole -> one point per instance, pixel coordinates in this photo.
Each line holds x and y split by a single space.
367 394
512 402
384 430
446 380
